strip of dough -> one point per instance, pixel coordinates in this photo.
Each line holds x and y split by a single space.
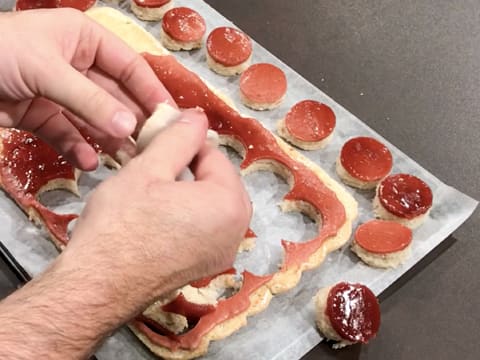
140 40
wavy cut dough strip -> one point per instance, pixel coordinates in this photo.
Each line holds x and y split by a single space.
142 41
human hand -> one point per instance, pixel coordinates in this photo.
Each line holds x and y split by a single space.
62 71
146 234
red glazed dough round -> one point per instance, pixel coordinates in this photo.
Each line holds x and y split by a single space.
308 125
310 120
151 3
366 159
405 196
81 5
347 313
150 10
353 311
229 46
184 24
383 237
263 86
229 51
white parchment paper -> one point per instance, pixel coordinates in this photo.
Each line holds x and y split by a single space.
286 330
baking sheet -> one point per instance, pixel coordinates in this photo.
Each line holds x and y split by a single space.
286 330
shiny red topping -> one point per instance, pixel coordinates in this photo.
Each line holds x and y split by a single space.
310 120
26 165
405 195
31 162
353 311
263 84
81 5
229 46
184 24
383 237
151 3
366 159
207 280
250 234
226 309
180 305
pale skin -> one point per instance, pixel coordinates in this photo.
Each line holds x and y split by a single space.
139 237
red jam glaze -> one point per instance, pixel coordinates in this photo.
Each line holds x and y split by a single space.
184 24
26 165
229 46
180 305
383 237
250 234
155 326
226 309
151 3
310 121
366 159
188 90
81 5
207 280
405 195
263 84
353 311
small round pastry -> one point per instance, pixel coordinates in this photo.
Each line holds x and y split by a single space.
150 10
308 125
82 5
229 51
263 86
347 313
403 198
382 243
182 29
363 162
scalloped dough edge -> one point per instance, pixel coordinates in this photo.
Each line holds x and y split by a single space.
142 41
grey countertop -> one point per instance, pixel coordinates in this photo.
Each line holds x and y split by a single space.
409 69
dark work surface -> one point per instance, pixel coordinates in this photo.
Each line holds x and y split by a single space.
409 69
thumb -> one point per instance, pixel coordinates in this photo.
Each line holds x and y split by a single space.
88 101
173 149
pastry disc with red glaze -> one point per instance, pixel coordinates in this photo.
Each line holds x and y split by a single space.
353 311
366 159
81 5
405 196
308 125
184 24
383 237
229 46
151 3
263 86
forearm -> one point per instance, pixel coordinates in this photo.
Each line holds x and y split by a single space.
63 314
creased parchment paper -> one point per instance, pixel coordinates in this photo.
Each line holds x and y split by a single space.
286 330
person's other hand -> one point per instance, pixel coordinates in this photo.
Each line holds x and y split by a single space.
145 233
60 71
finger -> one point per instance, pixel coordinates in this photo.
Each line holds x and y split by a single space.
118 91
87 100
99 140
45 119
122 63
12 112
173 149
211 165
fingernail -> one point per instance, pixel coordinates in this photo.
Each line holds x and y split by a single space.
123 123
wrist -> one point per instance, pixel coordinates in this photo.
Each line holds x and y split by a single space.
124 280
